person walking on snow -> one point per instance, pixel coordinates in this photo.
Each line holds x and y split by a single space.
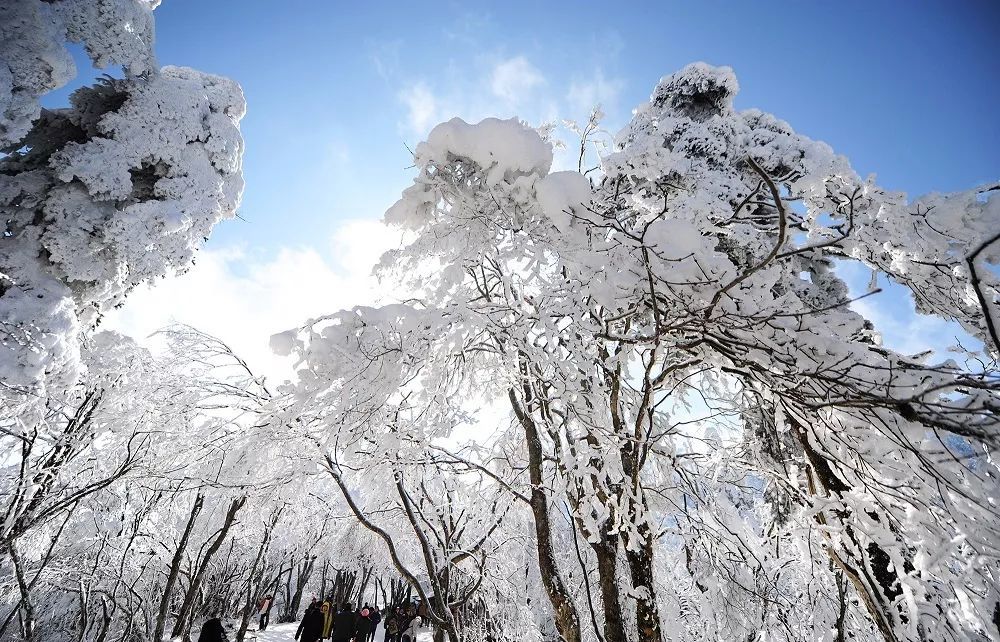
364 626
406 624
264 610
389 625
212 631
375 617
395 622
315 624
344 625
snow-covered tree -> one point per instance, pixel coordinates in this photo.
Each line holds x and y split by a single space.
117 189
686 373
439 530
139 511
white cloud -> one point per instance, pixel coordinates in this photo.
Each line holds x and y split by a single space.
384 56
513 79
505 87
243 299
906 331
584 95
422 107
469 27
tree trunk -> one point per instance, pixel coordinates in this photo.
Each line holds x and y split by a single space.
305 570
566 618
366 577
84 608
223 584
640 564
182 626
287 588
254 578
842 608
639 546
876 592
27 610
38 572
106 618
607 572
175 567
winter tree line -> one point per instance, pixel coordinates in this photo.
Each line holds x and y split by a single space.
682 428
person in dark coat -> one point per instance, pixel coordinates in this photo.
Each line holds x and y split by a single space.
375 617
314 604
394 624
344 624
364 626
406 621
389 624
311 628
212 631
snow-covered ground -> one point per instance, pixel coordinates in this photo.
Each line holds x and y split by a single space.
274 633
286 632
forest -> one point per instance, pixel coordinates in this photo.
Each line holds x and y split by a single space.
626 400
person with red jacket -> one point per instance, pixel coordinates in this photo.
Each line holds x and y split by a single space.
264 610
363 626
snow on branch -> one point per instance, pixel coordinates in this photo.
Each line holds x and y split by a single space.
117 189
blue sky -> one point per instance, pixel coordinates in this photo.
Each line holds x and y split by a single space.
337 91
907 90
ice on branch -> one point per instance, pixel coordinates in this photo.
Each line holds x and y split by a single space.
503 148
117 189
688 383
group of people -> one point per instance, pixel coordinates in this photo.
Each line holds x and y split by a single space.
320 622
399 623
349 625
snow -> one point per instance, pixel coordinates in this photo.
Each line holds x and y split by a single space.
698 90
32 45
592 305
283 343
119 189
274 633
561 194
683 266
503 148
35 63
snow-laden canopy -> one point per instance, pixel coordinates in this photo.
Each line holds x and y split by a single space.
119 188
689 382
682 428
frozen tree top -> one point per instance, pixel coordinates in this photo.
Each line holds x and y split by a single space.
33 37
121 187
504 148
